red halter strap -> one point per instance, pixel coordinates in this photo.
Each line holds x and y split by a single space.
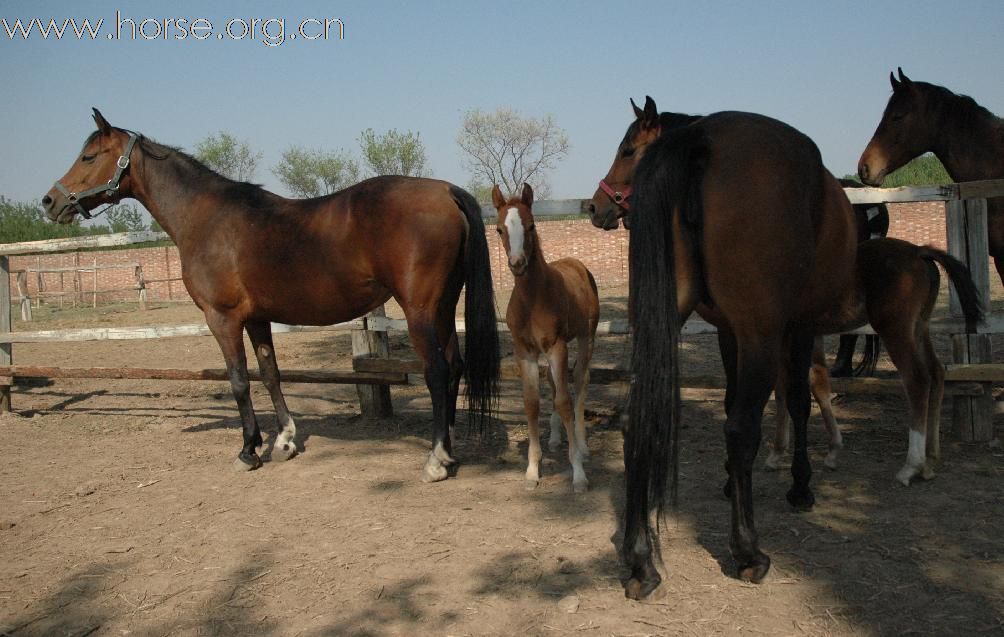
620 197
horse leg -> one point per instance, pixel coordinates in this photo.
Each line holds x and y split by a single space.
554 440
557 359
756 374
580 377
531 403
799 404
229 335
782 428
935 397
917 379
260 333
438 380
843 365
819 382
728 349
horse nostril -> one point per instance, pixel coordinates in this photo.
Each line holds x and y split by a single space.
47 201
591 208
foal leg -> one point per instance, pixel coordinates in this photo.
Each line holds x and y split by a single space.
819 382
557 359
229 334
530 372
935 398
554 440
260 333
782 428
905 355
580 376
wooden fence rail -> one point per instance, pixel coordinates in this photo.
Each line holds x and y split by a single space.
970 376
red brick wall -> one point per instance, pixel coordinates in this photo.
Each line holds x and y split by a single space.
603 252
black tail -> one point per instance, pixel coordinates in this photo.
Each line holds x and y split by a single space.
481 369
873 347
962 279
667 183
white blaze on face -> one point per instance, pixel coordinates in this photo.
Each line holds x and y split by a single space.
514 226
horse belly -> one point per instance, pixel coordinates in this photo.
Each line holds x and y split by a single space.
319 301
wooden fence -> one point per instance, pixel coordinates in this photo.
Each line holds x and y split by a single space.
969 377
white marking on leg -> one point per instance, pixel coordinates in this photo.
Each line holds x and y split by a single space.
915 457
285 448
514 225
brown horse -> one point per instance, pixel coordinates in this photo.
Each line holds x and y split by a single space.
709 198
967 138
250 257
552 304
899 283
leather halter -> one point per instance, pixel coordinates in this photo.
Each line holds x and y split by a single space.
112 186
619 197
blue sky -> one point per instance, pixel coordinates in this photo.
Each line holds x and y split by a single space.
820 66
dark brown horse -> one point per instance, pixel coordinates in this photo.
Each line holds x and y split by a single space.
708 200
250 257
967 138
551 305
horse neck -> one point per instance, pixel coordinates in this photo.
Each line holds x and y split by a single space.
969 141
532 282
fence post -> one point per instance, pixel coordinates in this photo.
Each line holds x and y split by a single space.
6 349
141 286
374 400
22 291
966 225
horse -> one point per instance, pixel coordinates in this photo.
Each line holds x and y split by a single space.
873 223
899 283
967 138
250 257
769 294
708 199
551 304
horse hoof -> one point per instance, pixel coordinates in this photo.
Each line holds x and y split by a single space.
246 462
283 452
639 589
800 499
927 473
830 461
754 570
580 487
434 470
553 445
904 475
530 484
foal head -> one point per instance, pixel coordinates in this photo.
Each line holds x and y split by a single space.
99 175
516 227
908 128
611 202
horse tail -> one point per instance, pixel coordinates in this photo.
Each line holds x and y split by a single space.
668 183
962 279
873 347
481 371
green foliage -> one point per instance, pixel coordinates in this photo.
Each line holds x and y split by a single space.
393 153
228 156
125 218
27 222
312 173
925 170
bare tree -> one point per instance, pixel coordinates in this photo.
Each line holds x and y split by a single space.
228 156
506 149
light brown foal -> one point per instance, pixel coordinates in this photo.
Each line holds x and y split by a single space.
551 304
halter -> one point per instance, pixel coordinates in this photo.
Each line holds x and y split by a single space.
112 186
620 197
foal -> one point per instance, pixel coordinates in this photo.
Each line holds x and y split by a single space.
551 304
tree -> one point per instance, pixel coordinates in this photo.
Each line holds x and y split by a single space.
925 170
312 173
393 153
228 156
125 218
27 222
506 149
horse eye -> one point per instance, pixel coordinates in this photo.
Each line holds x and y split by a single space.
88 158
627 152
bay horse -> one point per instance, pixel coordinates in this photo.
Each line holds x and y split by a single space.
708 200
551 304
967 138
250 257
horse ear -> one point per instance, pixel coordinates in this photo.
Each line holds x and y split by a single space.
894 82
638 113
527 196
902 77
497 199
103 126
651 112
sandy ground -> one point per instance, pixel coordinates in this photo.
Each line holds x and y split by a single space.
120 514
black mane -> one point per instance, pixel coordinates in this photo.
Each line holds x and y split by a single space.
963 105
667 121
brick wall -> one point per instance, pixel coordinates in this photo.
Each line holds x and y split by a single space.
604 253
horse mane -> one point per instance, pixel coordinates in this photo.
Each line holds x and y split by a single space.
667 121
963 106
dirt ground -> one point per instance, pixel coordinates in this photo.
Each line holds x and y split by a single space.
120 514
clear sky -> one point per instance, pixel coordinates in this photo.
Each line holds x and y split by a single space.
820 66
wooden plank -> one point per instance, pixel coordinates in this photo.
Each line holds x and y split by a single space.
988 188
6 349
139 373
947 192
82 243
159 331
